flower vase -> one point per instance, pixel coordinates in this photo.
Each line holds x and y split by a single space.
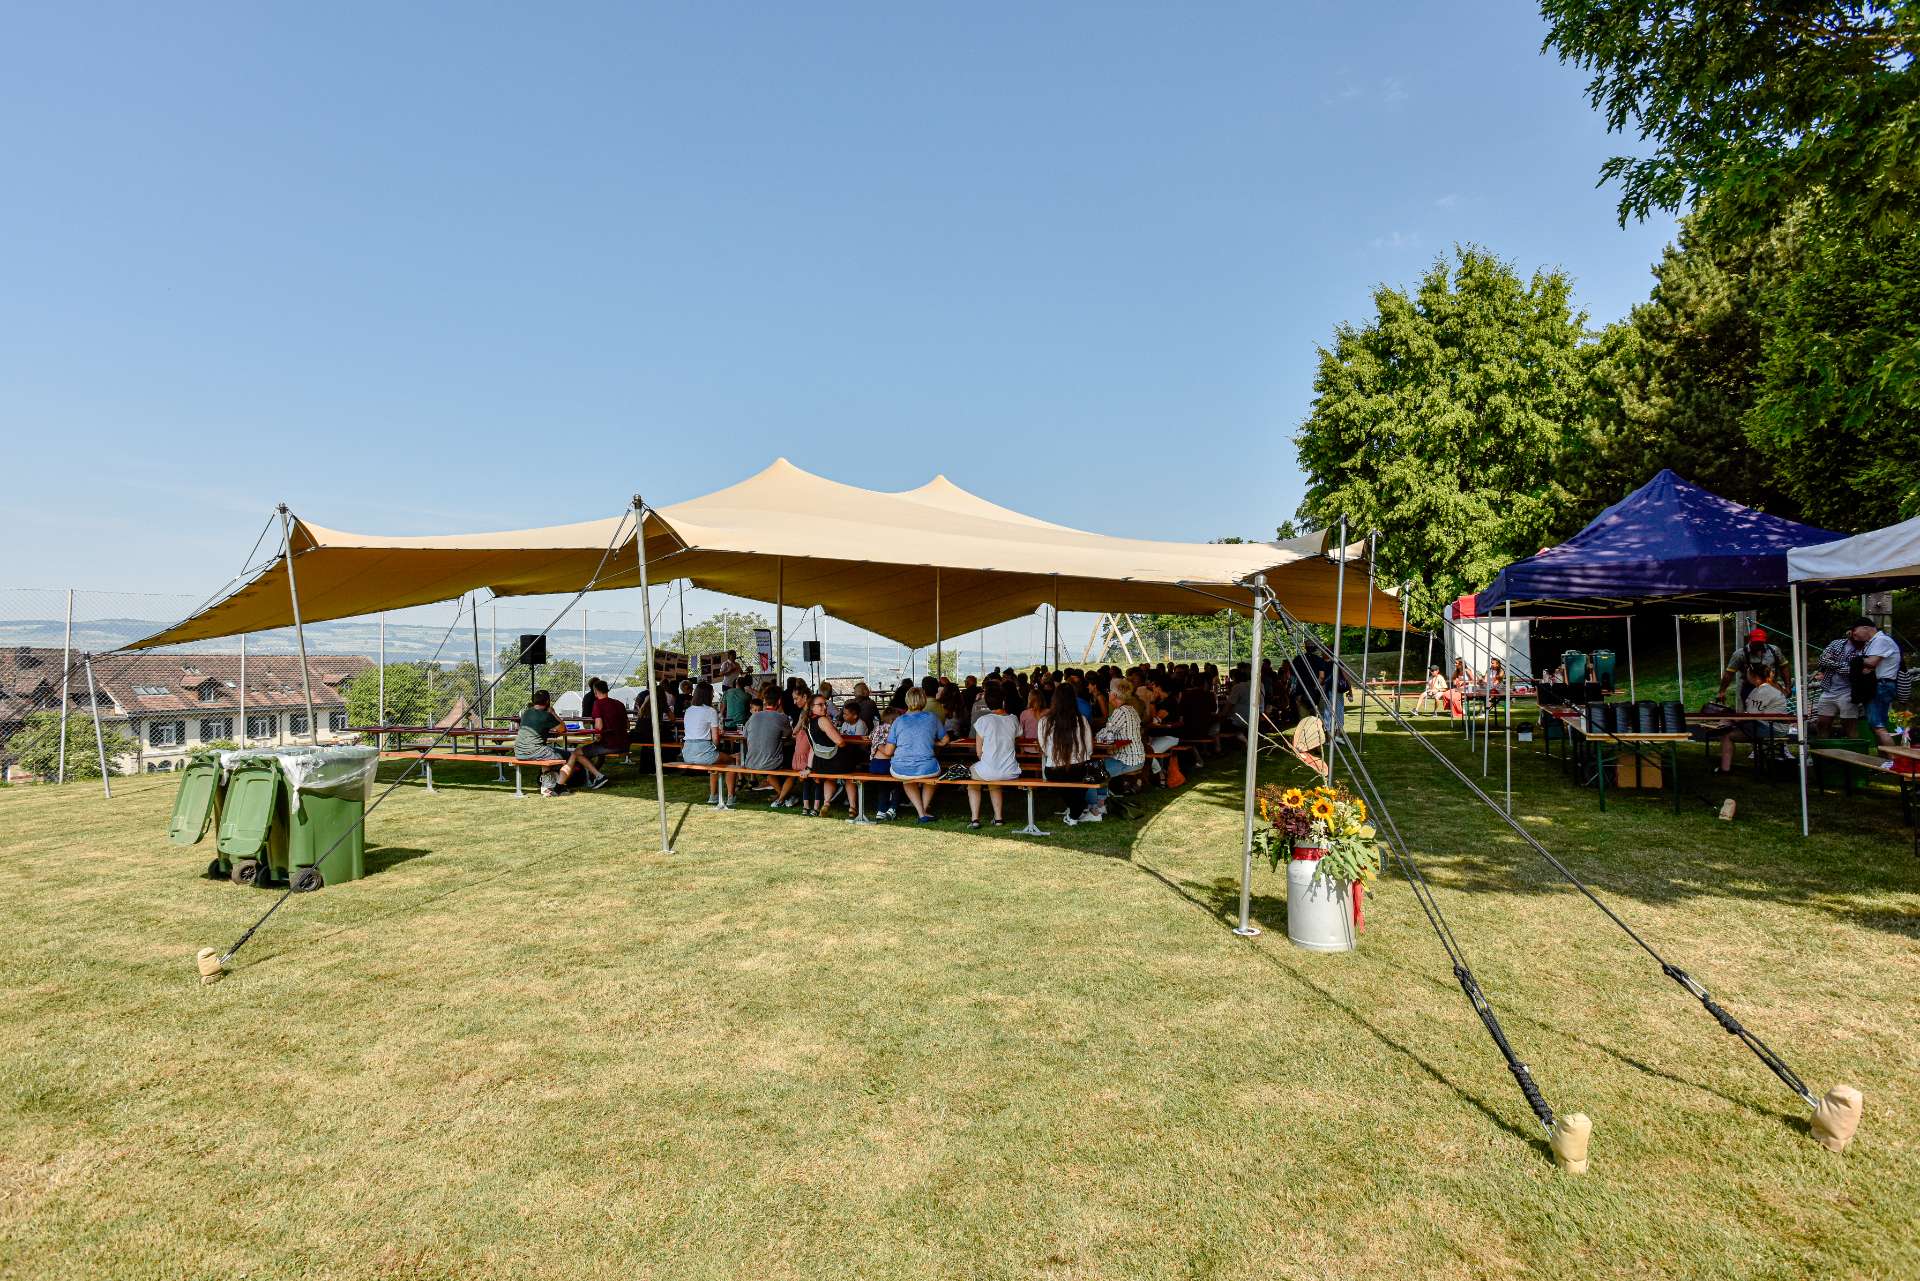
1322 913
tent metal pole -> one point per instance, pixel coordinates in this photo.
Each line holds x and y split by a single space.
66 670
242 736
779 622
583 656
1506 680
683 627
380 714
99 738
939 651
1633 695
299 628
479 676
1401 679
1366 649
1428 667
1720 634
1247 929
1056 624
653 684
1679 664
1334 725
1799 701
493 652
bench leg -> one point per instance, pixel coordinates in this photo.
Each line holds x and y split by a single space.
1032 828
426 768
860 797
518 794
500 772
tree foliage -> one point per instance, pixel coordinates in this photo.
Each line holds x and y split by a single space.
728 629
1672 384
1444 423
1753 105
35 746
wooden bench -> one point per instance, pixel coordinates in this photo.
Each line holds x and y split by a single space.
427 758
1852 760
1027 783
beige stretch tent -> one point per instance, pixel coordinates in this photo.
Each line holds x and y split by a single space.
915 567
786 535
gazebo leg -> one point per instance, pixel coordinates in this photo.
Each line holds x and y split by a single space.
1032 828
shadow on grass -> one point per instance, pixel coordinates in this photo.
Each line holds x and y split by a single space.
382 857
1222 905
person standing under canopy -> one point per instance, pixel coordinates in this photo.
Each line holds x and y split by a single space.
1757 652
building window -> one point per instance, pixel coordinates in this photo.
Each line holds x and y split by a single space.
166 733
151 691
212 727
209 693
260 726
337 722
296 724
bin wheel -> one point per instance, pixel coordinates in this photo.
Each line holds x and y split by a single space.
247 871
213 870
306 879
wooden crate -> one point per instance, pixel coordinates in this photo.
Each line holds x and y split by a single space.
1632 771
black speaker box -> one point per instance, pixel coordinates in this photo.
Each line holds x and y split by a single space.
533 650
809 651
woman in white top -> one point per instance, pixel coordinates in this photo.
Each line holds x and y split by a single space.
1066 748
994 733
700 744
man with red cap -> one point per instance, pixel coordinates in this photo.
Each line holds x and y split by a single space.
1757 652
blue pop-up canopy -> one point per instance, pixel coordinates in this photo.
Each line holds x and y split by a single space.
1669 544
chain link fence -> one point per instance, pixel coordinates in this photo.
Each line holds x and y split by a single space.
62 655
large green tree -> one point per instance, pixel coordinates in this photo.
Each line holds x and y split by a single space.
1672 383
1445 422
1836 405
1754 104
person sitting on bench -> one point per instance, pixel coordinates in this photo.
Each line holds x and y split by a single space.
530 744
914 737
766 732
701 744
994 734
1066 750
613 733
1760 695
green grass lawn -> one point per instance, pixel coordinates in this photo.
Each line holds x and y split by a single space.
529 1045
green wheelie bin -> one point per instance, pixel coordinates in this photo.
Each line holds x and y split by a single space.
253 820
327 834
196 808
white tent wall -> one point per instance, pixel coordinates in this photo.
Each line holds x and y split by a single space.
1479 639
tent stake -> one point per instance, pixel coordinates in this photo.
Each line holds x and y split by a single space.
299 628
99 739
1799 701
1247 929
653 683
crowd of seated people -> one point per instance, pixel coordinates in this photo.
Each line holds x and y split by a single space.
1107 727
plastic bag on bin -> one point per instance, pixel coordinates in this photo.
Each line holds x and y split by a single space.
328 771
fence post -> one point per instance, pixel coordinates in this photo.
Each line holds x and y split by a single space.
99 739
66 670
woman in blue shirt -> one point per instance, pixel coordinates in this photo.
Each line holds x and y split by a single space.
914 736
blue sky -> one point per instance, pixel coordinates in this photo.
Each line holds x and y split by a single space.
413 268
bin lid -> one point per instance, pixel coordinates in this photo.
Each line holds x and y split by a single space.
333 770
193 804
246 818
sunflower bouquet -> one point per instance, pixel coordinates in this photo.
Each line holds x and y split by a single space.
1324 818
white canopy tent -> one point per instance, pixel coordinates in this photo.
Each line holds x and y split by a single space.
1879 557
